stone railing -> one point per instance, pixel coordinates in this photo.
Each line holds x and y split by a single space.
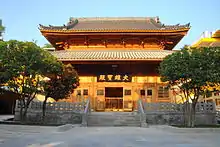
142 114
169 113
85 114
171 107
56 113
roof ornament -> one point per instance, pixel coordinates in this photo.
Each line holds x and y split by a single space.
71 19
157 19
188 24
41 26
72 23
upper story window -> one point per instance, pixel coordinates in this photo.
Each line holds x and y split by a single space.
96 42
142 92
78 92
116 43
85 92
127 92
163 92
100 92
133 42
149 92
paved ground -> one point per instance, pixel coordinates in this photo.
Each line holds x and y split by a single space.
6 117
10 132
155 136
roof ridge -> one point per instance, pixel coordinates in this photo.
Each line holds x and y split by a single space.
111 18
116 50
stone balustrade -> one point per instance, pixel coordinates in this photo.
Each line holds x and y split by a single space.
170 113
56 113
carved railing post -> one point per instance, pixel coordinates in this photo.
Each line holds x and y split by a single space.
142 114
84 120
86 113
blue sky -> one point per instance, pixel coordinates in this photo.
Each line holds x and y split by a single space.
21 17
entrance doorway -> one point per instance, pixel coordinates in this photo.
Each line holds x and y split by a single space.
113 98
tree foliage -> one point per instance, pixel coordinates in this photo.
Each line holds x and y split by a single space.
24 66
28 70
47 45
61 85
192 69
2 28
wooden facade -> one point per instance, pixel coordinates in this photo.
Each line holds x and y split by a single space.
117 58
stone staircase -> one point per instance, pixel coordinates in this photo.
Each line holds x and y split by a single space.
114 119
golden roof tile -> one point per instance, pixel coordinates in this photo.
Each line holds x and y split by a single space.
111 55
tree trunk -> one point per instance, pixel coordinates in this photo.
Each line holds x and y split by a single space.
193 114
184 114
21 113
189 115
186 108
25 112
21 109
44 107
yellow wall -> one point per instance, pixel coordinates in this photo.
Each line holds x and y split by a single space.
138 83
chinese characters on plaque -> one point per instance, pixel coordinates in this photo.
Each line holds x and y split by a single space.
114 78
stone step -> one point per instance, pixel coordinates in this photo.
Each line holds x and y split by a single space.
114 125
113 119
114 113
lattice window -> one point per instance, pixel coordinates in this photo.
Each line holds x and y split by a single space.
163 92
96 42
116 43
78 92
142 92
127 92
149 92
100 92
85 92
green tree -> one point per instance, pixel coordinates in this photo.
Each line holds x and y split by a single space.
192 69
3 76
61 85
47 45
25 65
2 29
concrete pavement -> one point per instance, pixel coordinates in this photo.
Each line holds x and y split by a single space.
10 132
155 136
6 117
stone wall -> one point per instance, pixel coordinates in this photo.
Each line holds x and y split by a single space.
57 113
172 114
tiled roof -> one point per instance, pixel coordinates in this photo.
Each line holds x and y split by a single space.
114 23
216 34
111 55
209 44
208 39
215 44
206 42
